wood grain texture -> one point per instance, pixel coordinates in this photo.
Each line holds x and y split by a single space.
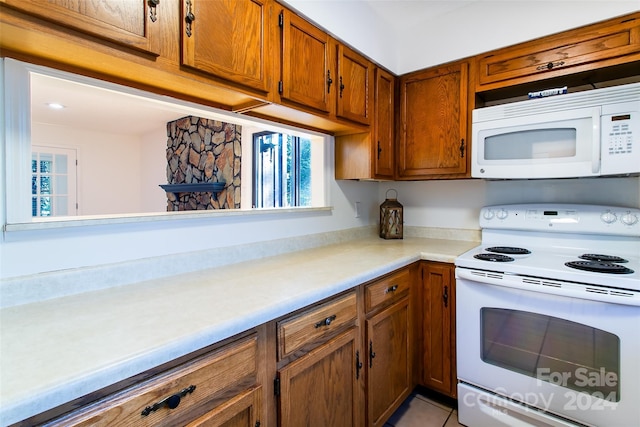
301 329
371 155
210 374
388 289
610 43
389 374
242 411
230 40
306 62
433 113
439 328
320 389
383 146
353 85
125 22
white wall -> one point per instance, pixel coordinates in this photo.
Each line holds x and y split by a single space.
456 204
153 171
109 168
403 38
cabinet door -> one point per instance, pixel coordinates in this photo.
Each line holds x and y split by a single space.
228 39
439 328
126 22
320 388
354 75
388 364
308 74
383 149
433 111
241 411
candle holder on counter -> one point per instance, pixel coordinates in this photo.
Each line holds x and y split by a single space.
391 217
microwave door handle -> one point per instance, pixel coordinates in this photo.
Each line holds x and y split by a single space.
595 146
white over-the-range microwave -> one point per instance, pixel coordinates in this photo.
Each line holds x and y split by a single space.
582 134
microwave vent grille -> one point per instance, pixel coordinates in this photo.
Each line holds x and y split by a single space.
585 99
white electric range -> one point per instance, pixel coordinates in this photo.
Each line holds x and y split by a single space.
548 317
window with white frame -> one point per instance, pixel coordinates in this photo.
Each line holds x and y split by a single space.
282 170
53 181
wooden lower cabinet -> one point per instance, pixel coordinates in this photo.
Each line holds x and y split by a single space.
348 361
216 389
388 361
439 314
241 411
320 389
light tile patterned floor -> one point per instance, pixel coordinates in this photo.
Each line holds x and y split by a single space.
421 411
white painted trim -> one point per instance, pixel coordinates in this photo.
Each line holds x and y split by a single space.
17 98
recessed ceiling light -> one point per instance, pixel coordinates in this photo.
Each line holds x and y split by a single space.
55 106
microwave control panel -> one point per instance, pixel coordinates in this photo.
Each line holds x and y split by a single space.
620 133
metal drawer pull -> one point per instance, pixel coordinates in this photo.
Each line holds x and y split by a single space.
171 402
550 65
326 322
391 289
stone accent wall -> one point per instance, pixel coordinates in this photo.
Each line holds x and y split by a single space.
203 150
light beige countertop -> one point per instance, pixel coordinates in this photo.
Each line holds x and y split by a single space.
57 350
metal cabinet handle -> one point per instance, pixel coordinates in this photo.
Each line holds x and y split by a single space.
171 402
391 289
189 18
445 296
326 322
550 65
462 148
153 15
358 364
372 354
329 81
341 86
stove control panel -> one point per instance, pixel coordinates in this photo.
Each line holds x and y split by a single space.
563 218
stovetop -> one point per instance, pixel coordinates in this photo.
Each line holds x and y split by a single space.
545 241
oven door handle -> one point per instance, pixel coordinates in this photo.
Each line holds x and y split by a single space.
550 286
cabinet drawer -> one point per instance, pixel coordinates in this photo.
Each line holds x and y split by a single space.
549 57
387 289
321 321
197 383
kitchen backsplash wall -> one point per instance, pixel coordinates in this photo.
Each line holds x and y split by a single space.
202 150
456 203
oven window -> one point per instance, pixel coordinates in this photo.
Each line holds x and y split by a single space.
531 144
565 353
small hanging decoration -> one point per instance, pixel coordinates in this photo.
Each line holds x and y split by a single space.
391 217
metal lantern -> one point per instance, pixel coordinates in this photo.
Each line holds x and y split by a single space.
391 217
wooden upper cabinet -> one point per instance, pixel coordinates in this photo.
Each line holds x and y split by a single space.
307 64
228 39
354 75
131 23
370 155
433 123
611 43
383 145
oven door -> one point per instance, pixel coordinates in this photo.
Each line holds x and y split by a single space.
571 357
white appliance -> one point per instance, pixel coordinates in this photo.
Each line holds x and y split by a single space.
590 133
548 318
